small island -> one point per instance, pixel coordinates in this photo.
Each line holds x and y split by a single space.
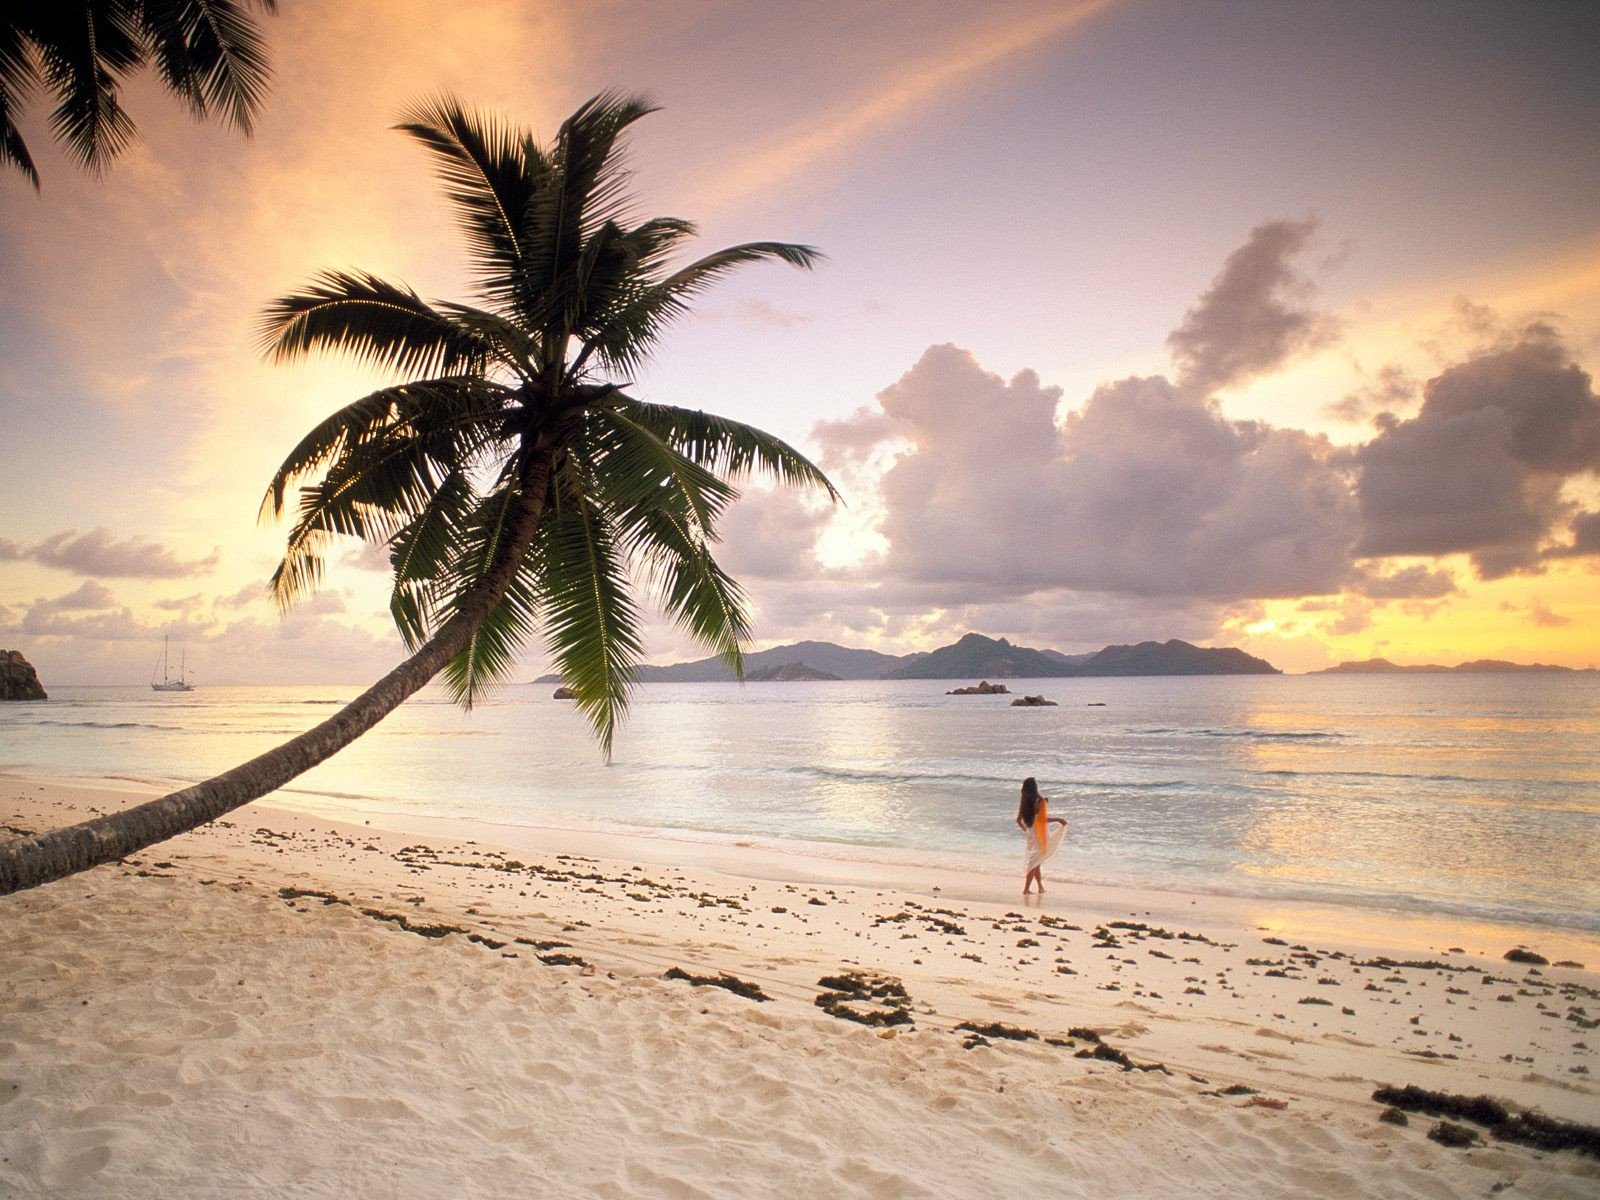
985 688
795 672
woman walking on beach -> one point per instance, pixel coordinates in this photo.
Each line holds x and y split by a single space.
1034 819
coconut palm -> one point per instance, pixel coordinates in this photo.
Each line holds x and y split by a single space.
516 483
209 53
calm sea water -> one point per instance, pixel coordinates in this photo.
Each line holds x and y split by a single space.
1474 796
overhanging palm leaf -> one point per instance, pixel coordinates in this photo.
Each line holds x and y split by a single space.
209 53
518 490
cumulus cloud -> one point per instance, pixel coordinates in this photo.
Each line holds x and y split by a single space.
1480 469
1539 613
1392 389
1408 583
770 535
1585 530
1148 491
1149 508
1255 316
87 596
98 552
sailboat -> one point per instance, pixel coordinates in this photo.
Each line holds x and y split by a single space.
168 683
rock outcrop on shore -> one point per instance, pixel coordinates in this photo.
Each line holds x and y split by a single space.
18 679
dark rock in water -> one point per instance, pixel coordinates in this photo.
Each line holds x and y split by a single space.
1032 702
18 679
982 689
564 693
1520 955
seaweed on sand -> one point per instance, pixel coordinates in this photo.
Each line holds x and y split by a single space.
731 983
884 998
1525 1128
995 1029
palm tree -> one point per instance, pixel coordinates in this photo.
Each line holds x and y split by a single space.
209 54
516 484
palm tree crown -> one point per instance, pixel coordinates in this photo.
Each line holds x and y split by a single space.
209 53
516 485
516 404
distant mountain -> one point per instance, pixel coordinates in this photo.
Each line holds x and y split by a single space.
1480 666
794 672
973 657
1070 660
834 661
1172 658
982 657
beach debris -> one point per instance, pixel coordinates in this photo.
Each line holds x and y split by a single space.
1108 1053
1567 962
561 960
417 927
1521 954
730 983
1455 1136
865 998
995 1029
1530 1128
294 893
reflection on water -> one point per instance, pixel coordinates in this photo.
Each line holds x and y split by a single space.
1477 795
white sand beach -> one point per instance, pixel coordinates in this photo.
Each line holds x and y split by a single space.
269 1006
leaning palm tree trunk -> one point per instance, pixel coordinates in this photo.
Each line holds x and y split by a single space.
44 858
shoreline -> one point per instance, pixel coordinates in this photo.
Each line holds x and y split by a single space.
963 877
289 1003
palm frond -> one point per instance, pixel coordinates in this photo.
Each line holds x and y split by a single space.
373 321
211 54
459 408
13 149
633 466
628 333
704 601
18 78
81 51
492 649
593 170
590 620
730 448
422 551
370 490
489 178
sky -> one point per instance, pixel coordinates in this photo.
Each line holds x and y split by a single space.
1253 324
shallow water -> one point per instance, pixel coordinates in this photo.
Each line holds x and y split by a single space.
1474 795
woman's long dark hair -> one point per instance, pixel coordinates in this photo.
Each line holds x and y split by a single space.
1029 808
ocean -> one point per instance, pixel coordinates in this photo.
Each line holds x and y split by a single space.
1472 796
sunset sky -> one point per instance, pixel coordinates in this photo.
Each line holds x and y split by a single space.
1258 324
